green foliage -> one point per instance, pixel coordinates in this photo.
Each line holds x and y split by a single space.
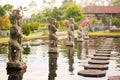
93 20
2 11
26 50
61 25
8 7
57 24
75 26
56 13
26 29
75 12
116 21
33 25
116 2
104 19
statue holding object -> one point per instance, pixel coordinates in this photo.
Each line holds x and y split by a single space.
70 30
52 36
15 47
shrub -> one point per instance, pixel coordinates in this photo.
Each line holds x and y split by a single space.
26 29
116 21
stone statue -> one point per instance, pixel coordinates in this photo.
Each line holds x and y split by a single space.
52 36
15 47
70 30
80 33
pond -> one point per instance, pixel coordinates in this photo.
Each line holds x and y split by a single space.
44 66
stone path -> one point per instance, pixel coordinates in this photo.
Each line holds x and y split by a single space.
99 62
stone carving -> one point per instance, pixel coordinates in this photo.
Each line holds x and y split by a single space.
52 36
70 30
80 33
15 47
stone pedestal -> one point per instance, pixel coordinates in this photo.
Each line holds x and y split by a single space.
92 73
70 43
16 65
80 45
53 50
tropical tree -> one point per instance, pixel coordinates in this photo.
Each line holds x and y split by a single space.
8 8
116 2
2 11
56 13
74 11
5 23
22 9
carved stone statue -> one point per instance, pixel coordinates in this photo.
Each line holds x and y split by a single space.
52 36
80 33
70 30
15 47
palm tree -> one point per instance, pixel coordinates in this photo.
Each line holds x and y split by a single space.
22 9
8 8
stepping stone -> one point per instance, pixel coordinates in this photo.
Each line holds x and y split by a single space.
114 78
98 67
99 62
104 49
104 55
92 73
107 52
100 58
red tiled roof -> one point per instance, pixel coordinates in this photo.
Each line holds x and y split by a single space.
101 9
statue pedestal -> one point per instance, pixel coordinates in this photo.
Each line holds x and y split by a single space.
53 50
70 43
16 65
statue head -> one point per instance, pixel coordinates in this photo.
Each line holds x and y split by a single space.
52 21
71 20
15 17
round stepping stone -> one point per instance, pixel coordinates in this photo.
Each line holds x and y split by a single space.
114 78
100 58
92 73
99 62
104 50
99 54
107 52
93 66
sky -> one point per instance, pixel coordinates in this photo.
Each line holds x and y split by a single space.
24 3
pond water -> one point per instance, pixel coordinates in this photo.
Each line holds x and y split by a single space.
44 66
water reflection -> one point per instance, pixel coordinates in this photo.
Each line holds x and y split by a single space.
70 53
15 74
52 66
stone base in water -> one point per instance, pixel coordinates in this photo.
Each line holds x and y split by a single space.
114 78
104 55
100 58
92 73
16 65
101 62
53 50
98 67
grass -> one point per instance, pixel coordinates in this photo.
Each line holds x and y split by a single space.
103 33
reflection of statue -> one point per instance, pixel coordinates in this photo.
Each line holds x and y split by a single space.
15 47
15 75
70 53
71 32
52 36
52 66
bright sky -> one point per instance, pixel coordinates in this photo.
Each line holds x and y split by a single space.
24 3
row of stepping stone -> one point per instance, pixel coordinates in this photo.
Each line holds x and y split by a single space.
98 64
